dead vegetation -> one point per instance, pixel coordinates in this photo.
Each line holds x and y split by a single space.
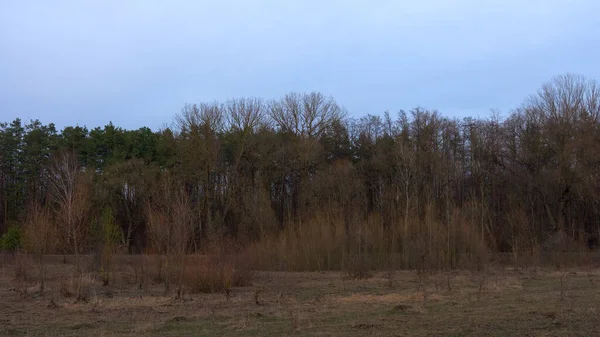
496 301
221 273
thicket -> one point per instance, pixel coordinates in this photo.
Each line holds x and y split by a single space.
302 186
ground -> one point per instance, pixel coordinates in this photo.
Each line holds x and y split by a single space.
499 301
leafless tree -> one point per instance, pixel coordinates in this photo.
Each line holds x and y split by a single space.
305 115
245 114
404 158
565 99
171 227
566 114
206 116
71 202
200 127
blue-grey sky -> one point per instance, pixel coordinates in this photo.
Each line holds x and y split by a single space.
137 62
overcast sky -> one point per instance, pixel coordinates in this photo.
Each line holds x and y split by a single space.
136 63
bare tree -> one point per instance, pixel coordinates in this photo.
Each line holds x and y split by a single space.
565 99
71 202
208 116
200 127
245 114
171 228
404 158
286 113
563 110
306 115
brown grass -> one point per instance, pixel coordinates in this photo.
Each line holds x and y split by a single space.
79 287
511 302
23 267
357 299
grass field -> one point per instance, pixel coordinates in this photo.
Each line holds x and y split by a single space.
496 302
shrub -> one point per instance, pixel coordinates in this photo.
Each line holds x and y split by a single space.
39 237
11 240
364 244
204 277
110 237
22 267
209 274
81 286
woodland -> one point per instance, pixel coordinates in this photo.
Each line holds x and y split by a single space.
304 186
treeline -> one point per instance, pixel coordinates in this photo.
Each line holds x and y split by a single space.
300 176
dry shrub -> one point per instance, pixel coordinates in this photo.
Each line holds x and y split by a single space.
40 237
427 242
22 267
314 245
562 250
522 238
110 237
171 228
465 239
151 270
560 242
243 271
220 271
206 277
67 288
83 287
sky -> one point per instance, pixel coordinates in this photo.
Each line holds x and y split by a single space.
138 62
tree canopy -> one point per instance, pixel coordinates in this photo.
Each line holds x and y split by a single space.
248 167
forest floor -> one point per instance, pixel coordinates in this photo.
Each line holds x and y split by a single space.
497 302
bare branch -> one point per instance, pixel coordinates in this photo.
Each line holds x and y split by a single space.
306 115
245 114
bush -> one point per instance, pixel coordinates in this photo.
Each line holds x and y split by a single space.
11 240
209 274
206 277
110 236
84 286
23 267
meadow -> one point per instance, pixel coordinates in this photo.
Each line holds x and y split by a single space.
499 299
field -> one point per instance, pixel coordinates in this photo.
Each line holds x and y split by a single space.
497 301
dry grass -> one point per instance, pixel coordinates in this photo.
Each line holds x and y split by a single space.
72 286
23 267
493 302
